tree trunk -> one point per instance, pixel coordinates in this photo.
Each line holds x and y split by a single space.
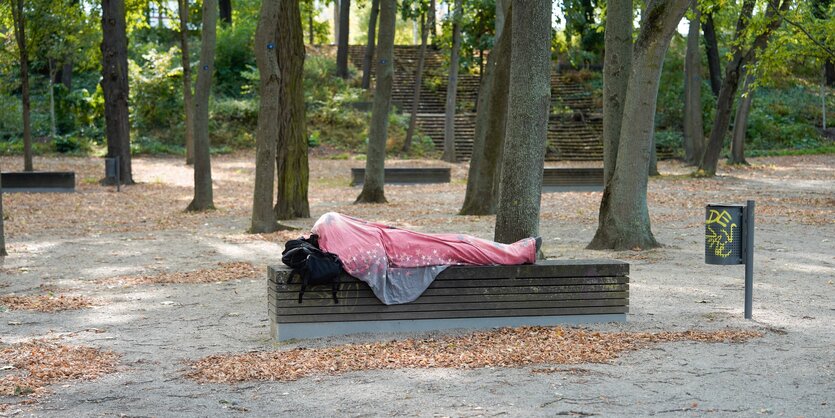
501 9
741 122
733 70
291 155
203 199
266 138
3 252
372 188
829 73
114 83
653 156
624 217
19 23
53 131
225 12
368 58
66 75
188 101
310 21
693 123
407 144
617 65
433 20
517 215
342 46
712 51
335 22
452 86
484 174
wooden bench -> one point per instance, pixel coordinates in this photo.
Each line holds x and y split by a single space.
38 181
547 293
405 175
572 180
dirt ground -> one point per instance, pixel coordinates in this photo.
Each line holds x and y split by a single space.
75 244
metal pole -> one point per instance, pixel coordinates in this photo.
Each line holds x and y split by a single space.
749 257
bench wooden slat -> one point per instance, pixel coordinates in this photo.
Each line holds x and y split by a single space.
367 298
355 291
572 179
389 316
415 175
443 308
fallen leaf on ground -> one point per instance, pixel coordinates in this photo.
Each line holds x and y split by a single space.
44 303
224 272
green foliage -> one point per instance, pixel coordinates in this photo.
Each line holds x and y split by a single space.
156 90
234 56
233 122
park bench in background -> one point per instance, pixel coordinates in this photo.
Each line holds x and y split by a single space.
405 175
572 180
38 181
547 293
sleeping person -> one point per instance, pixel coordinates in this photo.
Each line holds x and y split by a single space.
399 264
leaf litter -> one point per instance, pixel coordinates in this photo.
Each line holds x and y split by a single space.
224 272
44 303
505 347
29 367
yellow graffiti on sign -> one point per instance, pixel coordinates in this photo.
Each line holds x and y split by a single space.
718 241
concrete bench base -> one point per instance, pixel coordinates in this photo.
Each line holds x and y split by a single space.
38 181
572 180
405 176
547 293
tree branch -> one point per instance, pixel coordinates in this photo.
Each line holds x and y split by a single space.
802 29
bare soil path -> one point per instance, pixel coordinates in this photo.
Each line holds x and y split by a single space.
76 244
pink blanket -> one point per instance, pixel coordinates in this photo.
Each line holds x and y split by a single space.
399 264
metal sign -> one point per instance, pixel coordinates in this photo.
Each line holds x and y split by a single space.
729 239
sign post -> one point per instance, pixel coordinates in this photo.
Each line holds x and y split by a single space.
729 240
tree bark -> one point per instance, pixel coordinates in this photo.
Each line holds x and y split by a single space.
624 217
203 199
452 86
617 65
407 144
3 252
741 122
114 83
693 123
368 58
433 20
484 174
733 70
829 73
19 22
266 138
712 51
372 188
501 9
291 155
188 100
335 22
225 12
342 46
53 131
517 215
66 75
310 21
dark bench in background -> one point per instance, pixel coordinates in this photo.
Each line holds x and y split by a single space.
547 293
405 175
572 180
38 181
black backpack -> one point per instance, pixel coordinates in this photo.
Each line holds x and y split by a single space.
312 265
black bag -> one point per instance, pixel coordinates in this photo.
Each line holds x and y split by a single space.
314 266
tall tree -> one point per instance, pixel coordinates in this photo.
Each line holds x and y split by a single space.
372 187
433 20
335 21
225 11
693 123
491 123
517 215
19 23
368 58
740 57
266 138
712 52
203 199
407 144
114 84
188 100
291 155
452 85
741 122
624 217
342 45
